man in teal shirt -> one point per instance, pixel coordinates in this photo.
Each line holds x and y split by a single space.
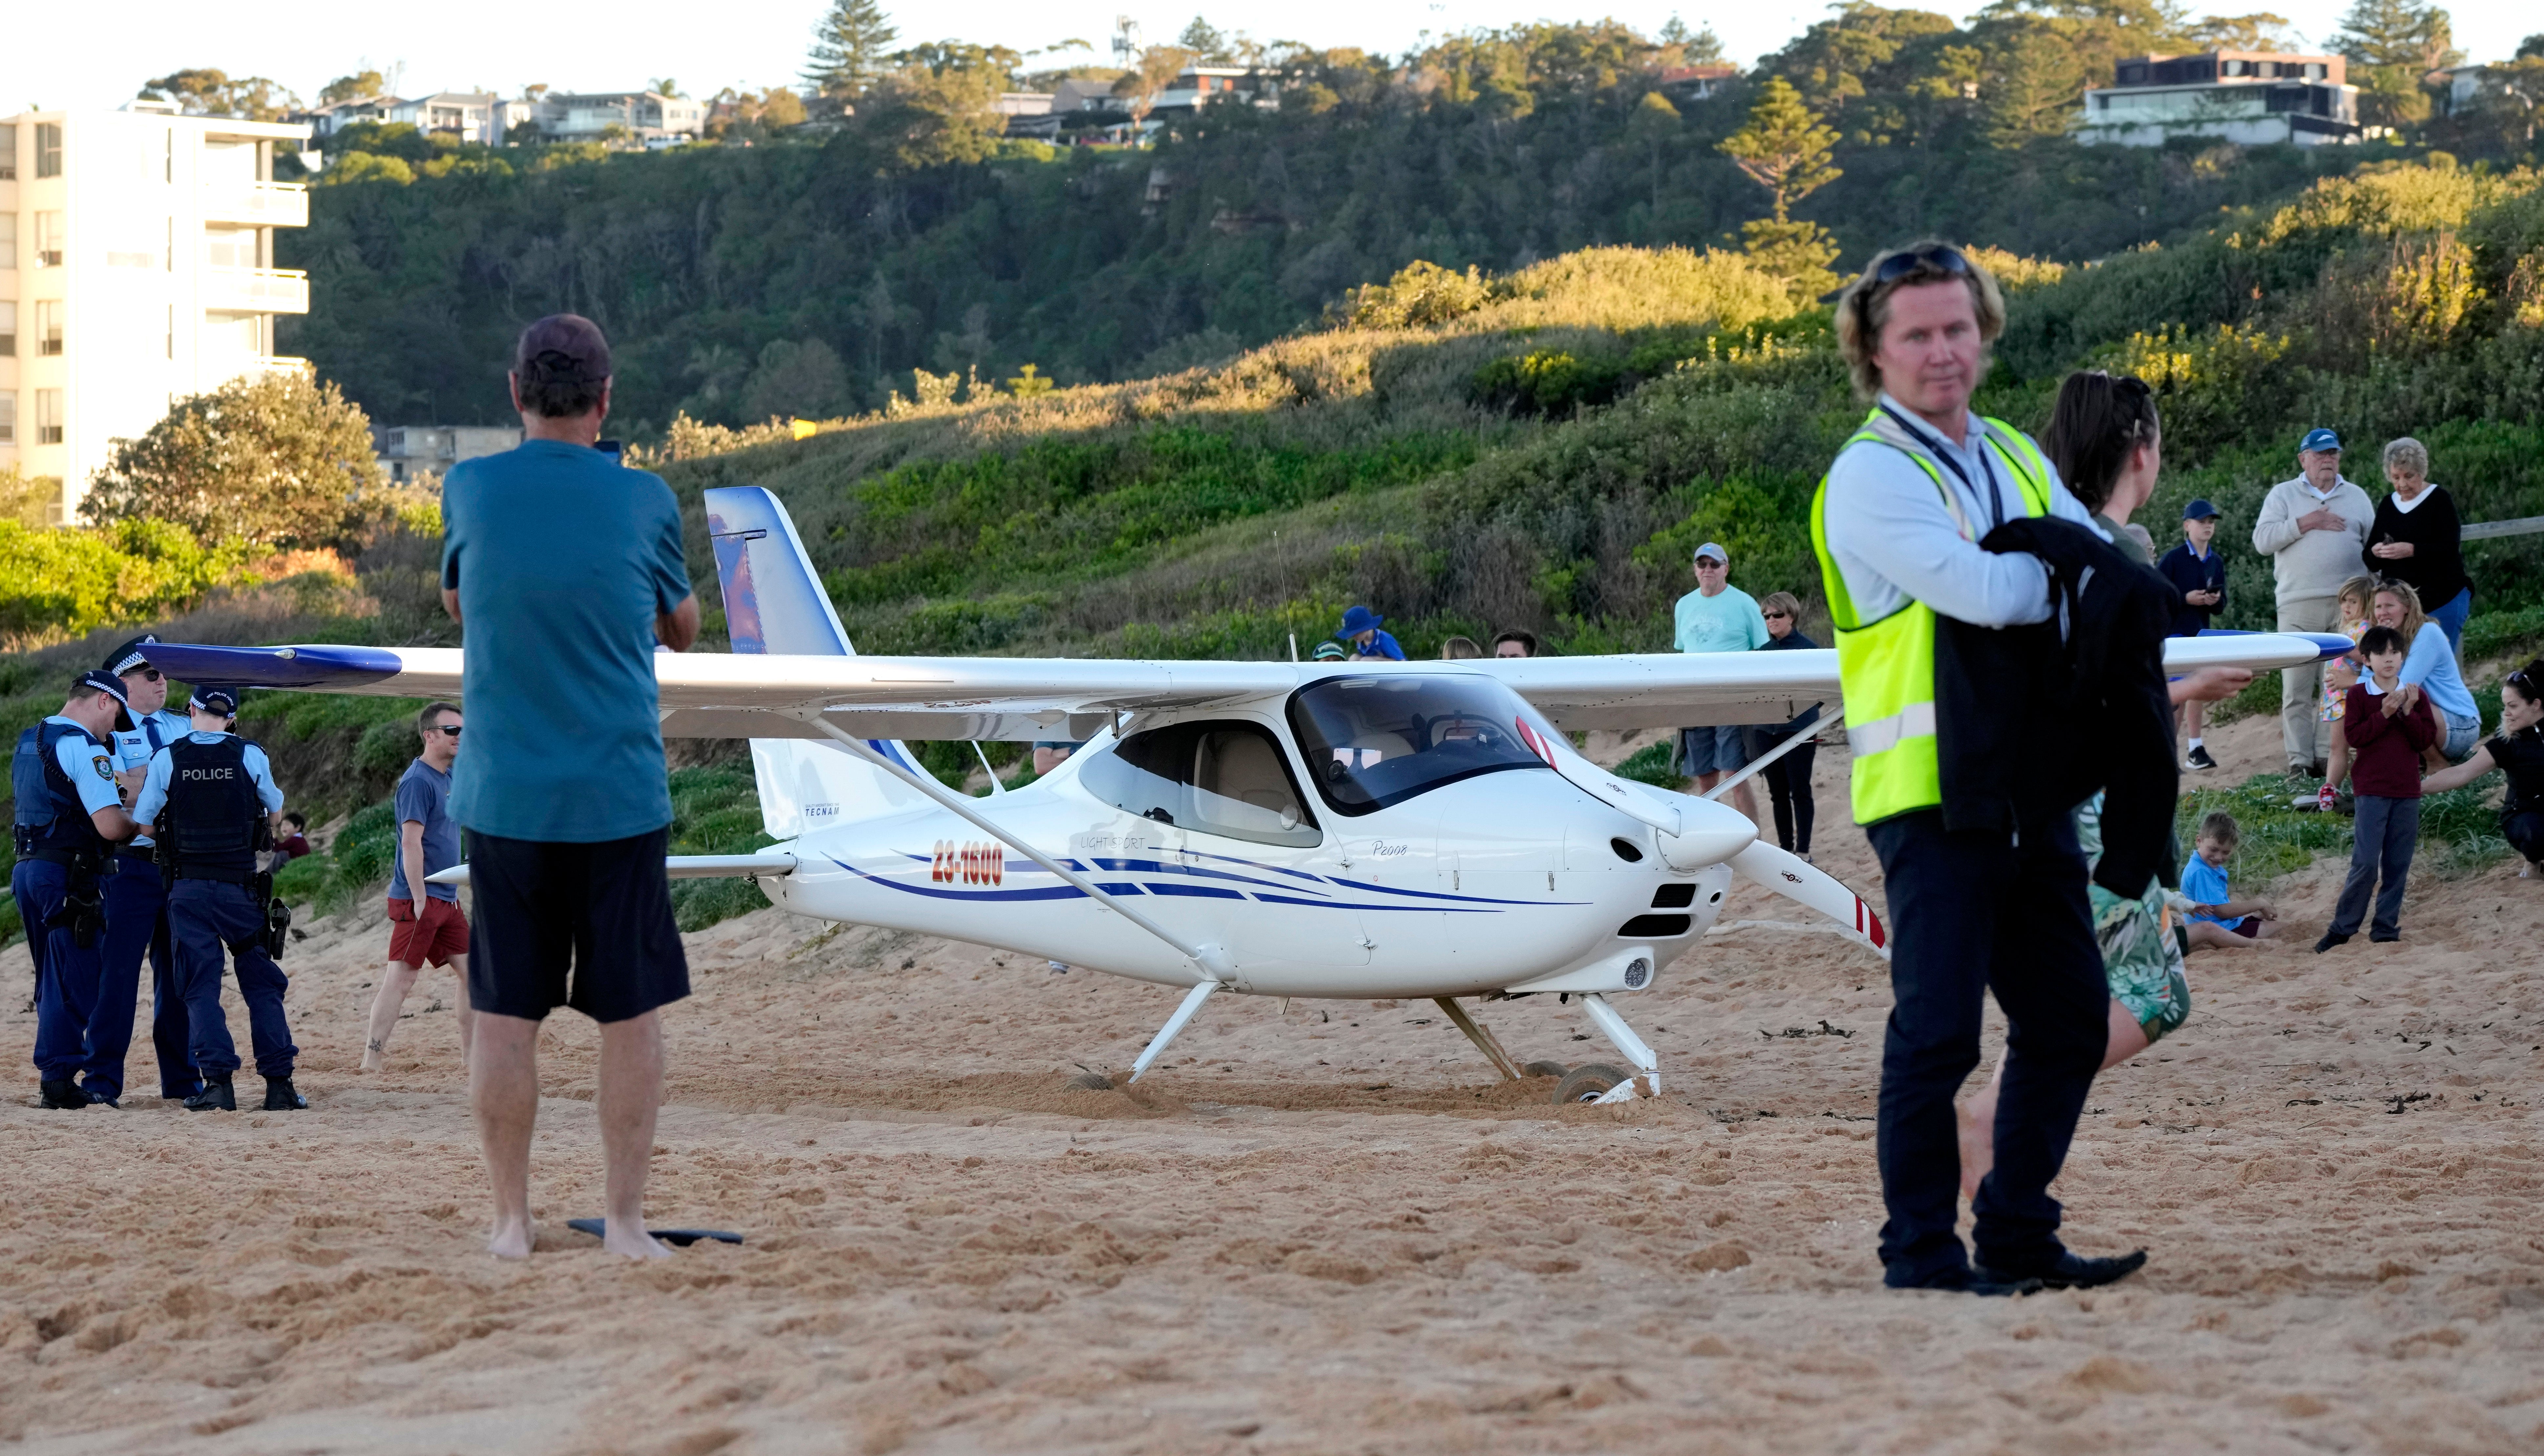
565 568
1717 617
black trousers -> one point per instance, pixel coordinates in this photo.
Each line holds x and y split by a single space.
2525 834
1788 785
1971 913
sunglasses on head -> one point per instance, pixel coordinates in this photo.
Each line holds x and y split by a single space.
2525 683
1940 258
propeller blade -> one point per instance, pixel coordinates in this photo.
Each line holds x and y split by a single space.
1635 800
1797 880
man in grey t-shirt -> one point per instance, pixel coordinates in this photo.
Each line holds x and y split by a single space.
428 928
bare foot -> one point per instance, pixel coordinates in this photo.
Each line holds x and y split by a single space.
638 1244
371 1056
1978 1148
511 1239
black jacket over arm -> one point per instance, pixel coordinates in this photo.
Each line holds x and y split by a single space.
2435 567
2031 720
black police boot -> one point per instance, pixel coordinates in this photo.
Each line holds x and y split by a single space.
217 1097
280 1098
97 1097
64 1095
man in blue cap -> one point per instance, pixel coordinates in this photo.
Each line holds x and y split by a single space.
70 816
2313 527
1370 641
212 799
2198 577
136 903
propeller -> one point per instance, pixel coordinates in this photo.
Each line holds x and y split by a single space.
1798 880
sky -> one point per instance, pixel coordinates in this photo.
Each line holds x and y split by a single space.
72 55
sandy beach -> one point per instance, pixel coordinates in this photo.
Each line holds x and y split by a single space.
1319 1228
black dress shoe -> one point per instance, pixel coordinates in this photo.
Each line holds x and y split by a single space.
97 1096
279 1096
64 1095
1977 1282
2070 1272
2331 939
217 1097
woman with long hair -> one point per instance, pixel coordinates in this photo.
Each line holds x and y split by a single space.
2430 671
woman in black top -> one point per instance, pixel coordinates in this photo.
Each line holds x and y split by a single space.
2418 537
2519 752
1789 779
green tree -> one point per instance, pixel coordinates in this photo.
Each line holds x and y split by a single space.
1783 148
1697 48
353 166
1654 123
275 460
1209 45
211 93
2033 87
939 106
850 50
2259 31
2391 45
355 87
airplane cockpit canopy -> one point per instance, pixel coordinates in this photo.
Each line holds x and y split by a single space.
1369 742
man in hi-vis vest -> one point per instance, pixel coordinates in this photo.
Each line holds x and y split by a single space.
1896 527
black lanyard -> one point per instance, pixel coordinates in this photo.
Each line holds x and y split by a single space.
1936 447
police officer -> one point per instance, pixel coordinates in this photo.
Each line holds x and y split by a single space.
69 814
210 799
136 903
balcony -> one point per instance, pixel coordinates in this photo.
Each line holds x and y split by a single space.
256 203
256 290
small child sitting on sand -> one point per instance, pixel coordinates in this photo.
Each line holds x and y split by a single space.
2217 920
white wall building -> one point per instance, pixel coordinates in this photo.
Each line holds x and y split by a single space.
470 117
2252 97
136 267
407 451
648 116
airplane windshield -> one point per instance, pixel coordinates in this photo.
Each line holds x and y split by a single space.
1375 741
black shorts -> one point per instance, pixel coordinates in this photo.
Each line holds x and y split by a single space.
601 910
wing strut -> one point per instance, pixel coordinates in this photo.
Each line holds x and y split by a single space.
1213 960
1751 769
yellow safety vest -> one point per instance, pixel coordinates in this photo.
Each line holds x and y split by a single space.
1887 668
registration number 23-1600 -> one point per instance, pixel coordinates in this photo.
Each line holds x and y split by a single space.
974 862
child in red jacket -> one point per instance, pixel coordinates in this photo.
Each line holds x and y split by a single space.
2388 726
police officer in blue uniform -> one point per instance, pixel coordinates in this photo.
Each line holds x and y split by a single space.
210 799
136 903
70 814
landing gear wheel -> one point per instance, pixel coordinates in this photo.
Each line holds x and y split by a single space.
1589 1081
1545 1069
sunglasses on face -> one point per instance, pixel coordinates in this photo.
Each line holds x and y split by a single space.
1707 564
147 674
1772 616
451 728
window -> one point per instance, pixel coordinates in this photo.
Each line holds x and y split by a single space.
2315 70
7 328
49 326
48 240
1375 741
8 240
229 247
8 417
171 330
48 149
8 152
48 417
1217 778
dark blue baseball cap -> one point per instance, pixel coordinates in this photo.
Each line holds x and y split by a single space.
112 686
223 701
2199 510
2319 438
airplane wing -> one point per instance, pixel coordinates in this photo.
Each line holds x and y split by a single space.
763 696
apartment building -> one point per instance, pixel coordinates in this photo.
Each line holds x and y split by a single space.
410 452
646 116
136 267
2252 97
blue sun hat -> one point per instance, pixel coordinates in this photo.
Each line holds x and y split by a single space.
1359 620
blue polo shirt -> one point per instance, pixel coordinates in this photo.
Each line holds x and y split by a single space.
562 558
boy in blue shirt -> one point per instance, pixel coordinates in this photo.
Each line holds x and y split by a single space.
2199 577
2217 920
1370 641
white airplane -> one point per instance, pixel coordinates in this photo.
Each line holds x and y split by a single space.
1354 832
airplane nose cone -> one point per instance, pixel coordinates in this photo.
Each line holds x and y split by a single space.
1709 832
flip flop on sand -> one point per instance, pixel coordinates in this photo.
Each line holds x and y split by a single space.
676 1237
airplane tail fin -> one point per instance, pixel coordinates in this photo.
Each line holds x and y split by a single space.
775 602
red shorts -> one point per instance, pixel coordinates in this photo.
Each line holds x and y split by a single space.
433 937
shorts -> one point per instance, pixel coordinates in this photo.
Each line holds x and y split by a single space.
2142 958
2250 927
582 925
431 937
1711 750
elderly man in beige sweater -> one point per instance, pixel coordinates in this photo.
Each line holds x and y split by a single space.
2313 527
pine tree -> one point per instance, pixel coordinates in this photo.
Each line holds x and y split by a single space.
850 47
2391 44
1203 40
1783 148
1697 47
